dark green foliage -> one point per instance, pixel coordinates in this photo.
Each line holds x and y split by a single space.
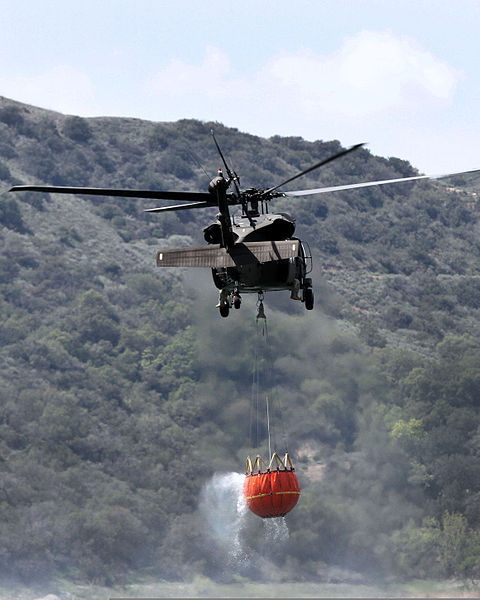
176 165
122 392
41 163
468 293
7 151
159 138
8 270
10 215
77 129
95 320
36 200
4 172
12 116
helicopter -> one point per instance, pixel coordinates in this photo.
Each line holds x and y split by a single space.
251 252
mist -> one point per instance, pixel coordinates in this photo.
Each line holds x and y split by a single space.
223 509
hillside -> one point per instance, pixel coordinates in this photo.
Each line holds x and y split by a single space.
123 391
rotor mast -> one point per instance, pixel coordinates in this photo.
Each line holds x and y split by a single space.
239 196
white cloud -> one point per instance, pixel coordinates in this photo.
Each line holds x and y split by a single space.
61 88
375 88
372 72
211 79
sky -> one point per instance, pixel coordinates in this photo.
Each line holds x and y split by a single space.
401 75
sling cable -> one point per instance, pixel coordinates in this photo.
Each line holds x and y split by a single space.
271 489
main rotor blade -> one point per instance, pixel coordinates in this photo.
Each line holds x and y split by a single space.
221 153
152 194
231 175
180 207
351 186
316 166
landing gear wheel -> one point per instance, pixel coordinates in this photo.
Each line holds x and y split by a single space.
237 301
224 310
308 298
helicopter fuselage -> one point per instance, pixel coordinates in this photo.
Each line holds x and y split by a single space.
273 275
258 277
261 228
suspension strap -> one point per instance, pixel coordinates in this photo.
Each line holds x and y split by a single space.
274 406
261 322
254 420
263 364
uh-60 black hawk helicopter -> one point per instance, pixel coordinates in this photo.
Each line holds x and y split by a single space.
252 252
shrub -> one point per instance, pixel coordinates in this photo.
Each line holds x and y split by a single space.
77 129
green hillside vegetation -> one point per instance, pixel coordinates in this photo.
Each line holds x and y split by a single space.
123 392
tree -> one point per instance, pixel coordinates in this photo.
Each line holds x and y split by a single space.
77 129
